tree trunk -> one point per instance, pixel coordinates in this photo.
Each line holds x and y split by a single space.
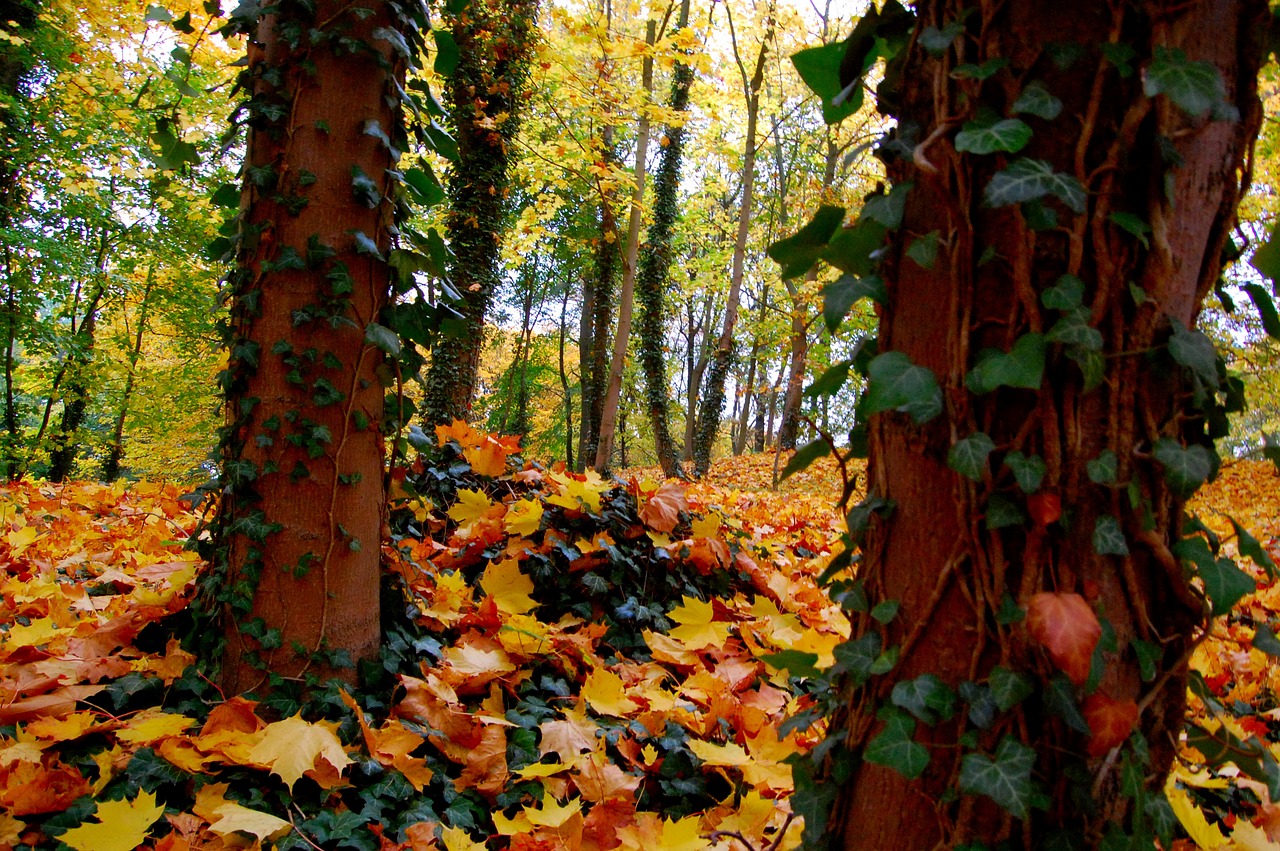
597 320
565 389
485 95
655 269
713 397
617 362
74 389
799 360
695 367
302 507
977 530
749 393
115 452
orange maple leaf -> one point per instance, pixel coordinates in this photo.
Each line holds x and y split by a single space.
1067 627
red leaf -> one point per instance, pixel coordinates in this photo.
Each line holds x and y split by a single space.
662 512
1065 626
1045 508
1110 721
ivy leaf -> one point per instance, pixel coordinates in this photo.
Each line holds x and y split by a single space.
894 746
1185 468
383 338
1266 309
1067 627
447 53
896 384
424 185
885 611
923 250
1067 293
1265 640
819 67
365 245
797 663
1036 100
805 456
1108 537
1266 258
842 294
1196 87
1022 366
1006 779
988 137
936 40
887 209
1225 584
1009 688
1132 224
968 457
830 382
1060 699
1026 179
1249 547
1103 469
851 249
1073 329
1195 351
1002 513
926 697
972 71
797 253
1028 470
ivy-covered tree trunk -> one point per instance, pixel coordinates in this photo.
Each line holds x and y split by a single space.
655 268
599 293
302 502
1041 412
73 388
485 95
115 451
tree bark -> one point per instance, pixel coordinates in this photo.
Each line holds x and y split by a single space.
302 506
485 97
958 581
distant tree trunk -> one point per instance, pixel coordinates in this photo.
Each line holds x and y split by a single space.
74 389
115 452
722 355
799 360
655 269
695 367
485 96
565 388
302 502
748 391
597 320
617 362
1089 455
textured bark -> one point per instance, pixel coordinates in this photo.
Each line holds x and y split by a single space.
599 293
933 554
303 503
485 97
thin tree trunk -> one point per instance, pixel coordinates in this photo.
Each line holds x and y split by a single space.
748 392
713 399
613 392
565 387
75 380
696 366
115 452
485 96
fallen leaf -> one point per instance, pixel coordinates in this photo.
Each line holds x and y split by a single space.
291 747
661 512
122 825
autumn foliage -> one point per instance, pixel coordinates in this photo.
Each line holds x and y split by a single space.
574 663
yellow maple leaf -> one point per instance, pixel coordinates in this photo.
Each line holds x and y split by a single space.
122 825
579 493
552 813
728 754
698 627
230 817
471 505
509 588
523 517
489 456
10 829
457 839
291 747
604 691
147 727
458 430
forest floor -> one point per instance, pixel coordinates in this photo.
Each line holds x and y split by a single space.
582 665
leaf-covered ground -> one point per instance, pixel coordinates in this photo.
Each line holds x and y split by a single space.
571 664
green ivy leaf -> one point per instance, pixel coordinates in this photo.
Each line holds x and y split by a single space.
1265 640
1266 309
1002 513
887 209
1028 470
1225 584
1022 366
1108 537
924 250
1185 468
1103 469
1060 699
383 338
797 663
797 253
971 71
1266 257
1009 688
936 40
830 382
1073 329
1195 351
851 249
894 746
425 187
805 456
896 384
1133 225
1093 366
1148 655
365 245
858 656
1006 779
926 697
1036 100
819 67
447 53
1066 294
1026 179
1196 87
968 457
842 294
885 611
987 137
1250 548
1121 55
